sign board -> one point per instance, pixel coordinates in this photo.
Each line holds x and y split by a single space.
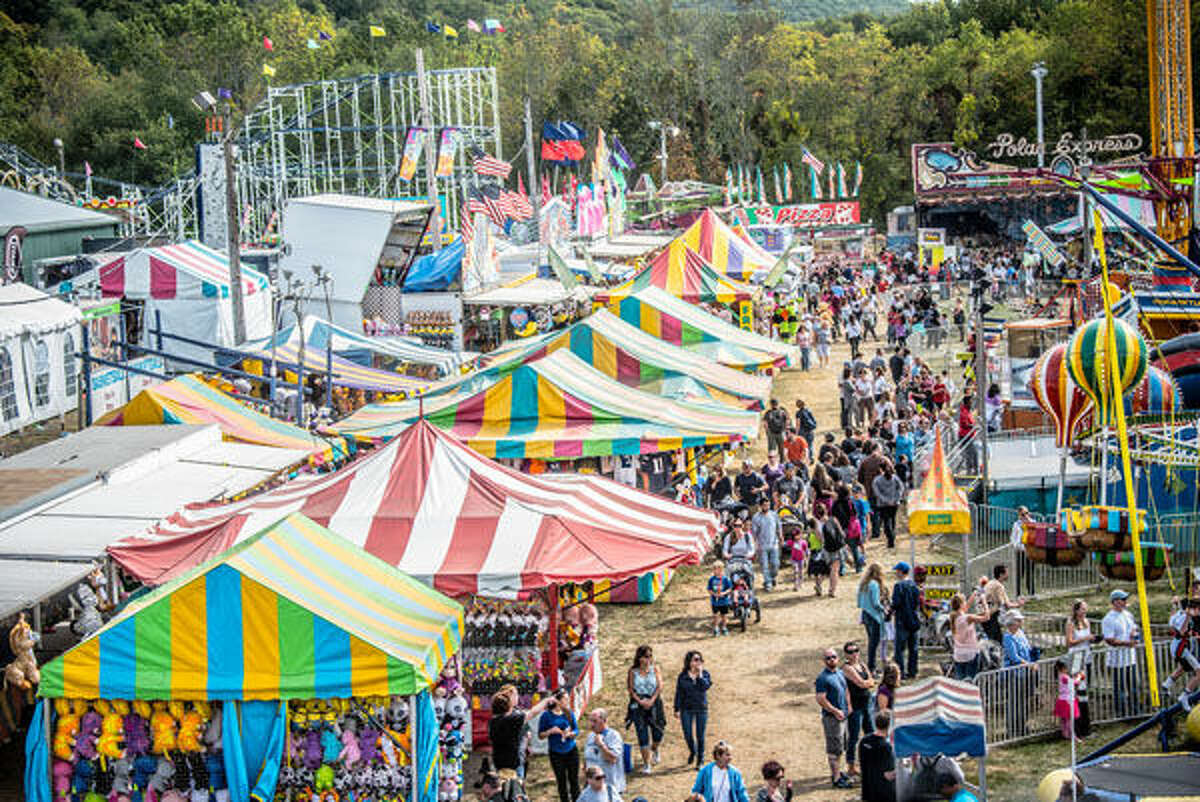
805 215
939 593
111 388
941 569
1007 146
1042 244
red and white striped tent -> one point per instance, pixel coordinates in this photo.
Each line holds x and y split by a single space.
442 513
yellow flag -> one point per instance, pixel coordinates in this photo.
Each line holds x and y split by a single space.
268 70
377 31
451 33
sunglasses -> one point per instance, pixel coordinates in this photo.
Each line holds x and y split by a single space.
852 651
831 657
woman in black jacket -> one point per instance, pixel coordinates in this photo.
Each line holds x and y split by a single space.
691 704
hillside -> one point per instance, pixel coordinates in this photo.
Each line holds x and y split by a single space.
809 10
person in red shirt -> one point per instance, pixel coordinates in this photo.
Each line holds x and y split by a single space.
966 418
795 449
940 395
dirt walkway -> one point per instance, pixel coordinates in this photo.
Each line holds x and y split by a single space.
762 698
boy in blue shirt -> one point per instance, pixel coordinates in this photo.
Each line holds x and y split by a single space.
720 592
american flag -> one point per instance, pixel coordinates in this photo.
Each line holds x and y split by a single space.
467 225
516 205
812 161
487 200
490 165
546 193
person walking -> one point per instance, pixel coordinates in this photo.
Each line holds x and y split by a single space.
766 529
1017 538
719 781
598 788
806 423
860 685
962 629
871 594
645 711
605 750
774 788
776 422
1121 633
691 703
557 725
833 540
888 490
831 693
878 762
906 604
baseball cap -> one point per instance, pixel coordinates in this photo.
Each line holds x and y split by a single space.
1118 594
902 567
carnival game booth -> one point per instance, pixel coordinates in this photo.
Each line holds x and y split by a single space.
658 313
724 249
257 358
938 716
39 337
188 399
632 357
185 288
522 308
501 540
293 665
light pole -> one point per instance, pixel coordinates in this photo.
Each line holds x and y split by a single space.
1039 72
62 162
663 127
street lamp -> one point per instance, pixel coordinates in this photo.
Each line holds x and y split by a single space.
62 162
663 127
1039 72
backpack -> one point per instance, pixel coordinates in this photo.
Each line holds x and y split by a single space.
834 538
854 530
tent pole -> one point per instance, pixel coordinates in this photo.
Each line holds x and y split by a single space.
983 777
552 633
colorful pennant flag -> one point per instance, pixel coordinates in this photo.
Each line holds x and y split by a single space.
857 178
268 71
450 32
433 27
561 271
87 169
447 150
841 181
778 189
324 36
761 195
814 183
268 45
413 143
493 26
618 156
787 181
377 31
472 25
812 161
138 144
562 143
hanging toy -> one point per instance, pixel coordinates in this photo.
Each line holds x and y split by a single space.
331 745
89 731
22 672
162 730
350 753
65 734
191 730
112 737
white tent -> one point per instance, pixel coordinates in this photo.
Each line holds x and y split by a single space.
39 336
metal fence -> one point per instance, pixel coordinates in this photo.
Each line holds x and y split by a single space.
1018 702
1182 531
1047 579
991 527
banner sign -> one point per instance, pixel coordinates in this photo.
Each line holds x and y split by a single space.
111 388
412 153
1007 146
446 152
1042 244
806 215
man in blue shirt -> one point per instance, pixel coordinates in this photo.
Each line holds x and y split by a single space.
906 604
832 698
766 529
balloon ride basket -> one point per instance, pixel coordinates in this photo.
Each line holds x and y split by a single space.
1120 565
1049 544
1101 529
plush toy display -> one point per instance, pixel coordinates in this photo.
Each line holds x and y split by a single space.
22 672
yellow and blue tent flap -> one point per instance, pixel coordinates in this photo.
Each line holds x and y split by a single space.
294 612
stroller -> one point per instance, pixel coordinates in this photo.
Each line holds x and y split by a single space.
741 573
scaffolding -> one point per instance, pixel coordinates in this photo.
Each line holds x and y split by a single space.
347 136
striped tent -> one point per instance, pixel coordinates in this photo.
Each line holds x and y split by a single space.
345 372
452 518
321 334
292 612
683 273
188 270
675 321
722 248
634 358
559 407
187 399
939 715
938 506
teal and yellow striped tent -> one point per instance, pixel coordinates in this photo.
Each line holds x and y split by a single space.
293 612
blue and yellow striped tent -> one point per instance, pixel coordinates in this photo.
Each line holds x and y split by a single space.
294 612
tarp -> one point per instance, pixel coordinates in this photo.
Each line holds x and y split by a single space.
452 518
721 247
683 273
438 270
938 506
662 315
939 715
636 359
345 372
293 612
559 407
187 399
321 334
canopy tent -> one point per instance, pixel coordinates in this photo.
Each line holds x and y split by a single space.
675 321
634 358
452 518
186 286
683 273
722 248
436 271
292 612
321 334
39 336
938 506
345 373
939 715
1137 208
187 399
559 407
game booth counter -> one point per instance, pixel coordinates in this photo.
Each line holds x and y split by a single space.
293 665
505 542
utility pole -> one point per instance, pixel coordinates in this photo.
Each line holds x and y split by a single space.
1039 72
233 231
535 193
435 222
980 390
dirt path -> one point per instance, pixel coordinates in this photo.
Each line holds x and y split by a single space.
762 698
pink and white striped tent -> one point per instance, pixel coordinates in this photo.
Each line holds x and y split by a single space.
185 271
457 520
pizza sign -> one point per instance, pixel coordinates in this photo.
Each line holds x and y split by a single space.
819 214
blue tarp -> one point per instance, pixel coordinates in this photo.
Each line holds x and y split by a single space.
436 271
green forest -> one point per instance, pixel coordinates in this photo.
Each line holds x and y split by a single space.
745 81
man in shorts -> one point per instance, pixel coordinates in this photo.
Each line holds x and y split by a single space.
832 698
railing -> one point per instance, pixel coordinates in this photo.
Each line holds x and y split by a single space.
991 527
1018 702
1047 579
1181 531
